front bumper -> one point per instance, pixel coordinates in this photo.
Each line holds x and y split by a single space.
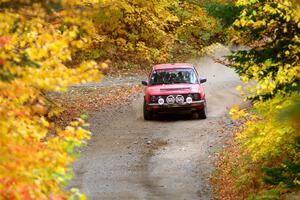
195 105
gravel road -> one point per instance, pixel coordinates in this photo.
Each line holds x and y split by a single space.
169 158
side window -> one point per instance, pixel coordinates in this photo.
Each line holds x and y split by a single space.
196 75
195 71
151 77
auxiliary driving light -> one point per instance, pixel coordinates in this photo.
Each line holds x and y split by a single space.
170 99
189 100
161 101
179 99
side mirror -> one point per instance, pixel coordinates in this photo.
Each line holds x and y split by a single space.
145 83
203 80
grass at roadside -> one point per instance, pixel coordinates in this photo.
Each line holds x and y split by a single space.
238 177
228 168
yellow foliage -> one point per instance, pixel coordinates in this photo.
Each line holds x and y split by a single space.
270 68
146 32
237 113
36 44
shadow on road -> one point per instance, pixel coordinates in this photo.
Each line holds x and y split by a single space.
171 117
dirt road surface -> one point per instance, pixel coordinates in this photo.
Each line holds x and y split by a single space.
169 158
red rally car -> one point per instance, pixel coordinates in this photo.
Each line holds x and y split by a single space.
174 88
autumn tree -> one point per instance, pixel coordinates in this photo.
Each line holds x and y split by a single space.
38 42
270 70
135 33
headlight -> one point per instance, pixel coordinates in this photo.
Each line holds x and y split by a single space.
189 100
161 101
153 99
196 96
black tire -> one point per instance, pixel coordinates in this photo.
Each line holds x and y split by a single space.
147 114
202 114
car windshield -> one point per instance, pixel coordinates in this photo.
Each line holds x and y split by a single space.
170 76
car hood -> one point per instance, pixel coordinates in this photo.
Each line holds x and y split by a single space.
173 89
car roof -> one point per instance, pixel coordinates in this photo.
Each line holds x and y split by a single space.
172 66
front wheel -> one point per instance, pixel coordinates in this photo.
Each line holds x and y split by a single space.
147 113
202 114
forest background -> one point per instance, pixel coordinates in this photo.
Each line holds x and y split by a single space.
45 46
